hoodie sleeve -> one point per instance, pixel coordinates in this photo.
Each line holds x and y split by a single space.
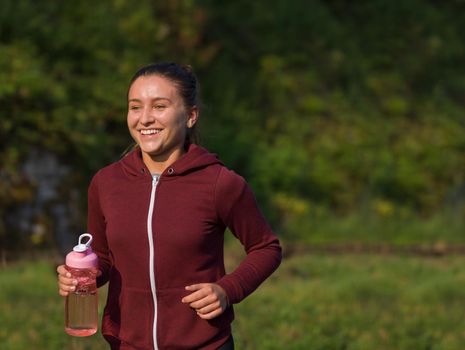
239 211
97 227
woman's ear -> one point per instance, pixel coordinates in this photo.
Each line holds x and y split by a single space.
192 117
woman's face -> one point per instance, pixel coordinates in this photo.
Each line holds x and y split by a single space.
157 118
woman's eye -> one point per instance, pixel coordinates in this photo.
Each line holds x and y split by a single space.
159 107
134 108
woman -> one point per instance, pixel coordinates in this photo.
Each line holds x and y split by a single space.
158 218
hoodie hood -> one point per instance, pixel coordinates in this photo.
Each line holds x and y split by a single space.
195 158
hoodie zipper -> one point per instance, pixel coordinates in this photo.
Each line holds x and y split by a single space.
155 179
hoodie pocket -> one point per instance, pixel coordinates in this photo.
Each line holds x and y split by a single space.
128 317
179 326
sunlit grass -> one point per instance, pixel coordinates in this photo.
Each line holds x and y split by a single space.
357 302
353 302
366 228
32 312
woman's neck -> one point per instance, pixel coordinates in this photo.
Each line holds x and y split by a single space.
158 164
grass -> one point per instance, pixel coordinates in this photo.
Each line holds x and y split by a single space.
351 302
32 312
365 228
357 302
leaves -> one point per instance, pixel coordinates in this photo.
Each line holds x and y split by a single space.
324 104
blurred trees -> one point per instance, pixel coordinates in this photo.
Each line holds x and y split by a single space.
343 107
321 105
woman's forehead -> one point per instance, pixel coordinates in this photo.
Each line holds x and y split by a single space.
153 86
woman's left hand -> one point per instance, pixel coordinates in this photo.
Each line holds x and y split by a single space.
209 300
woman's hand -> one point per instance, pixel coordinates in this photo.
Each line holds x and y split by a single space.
209 300
66 283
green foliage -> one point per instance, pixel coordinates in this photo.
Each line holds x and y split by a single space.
347 106
342 110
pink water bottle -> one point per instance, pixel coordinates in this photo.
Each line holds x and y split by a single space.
81 306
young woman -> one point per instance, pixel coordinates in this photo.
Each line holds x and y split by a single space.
158 218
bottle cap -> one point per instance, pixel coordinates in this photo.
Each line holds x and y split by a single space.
81 247
82 256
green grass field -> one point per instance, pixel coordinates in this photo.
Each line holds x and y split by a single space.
355 302
366 228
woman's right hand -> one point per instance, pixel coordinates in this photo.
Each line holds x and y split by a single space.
66 283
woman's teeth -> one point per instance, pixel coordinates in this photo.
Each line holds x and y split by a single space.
150 131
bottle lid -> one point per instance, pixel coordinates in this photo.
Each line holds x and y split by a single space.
82 247
82 256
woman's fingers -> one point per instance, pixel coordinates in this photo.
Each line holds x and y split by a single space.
61 269
210 315
202 294
205 302
63 293
208 299
66 283
206 309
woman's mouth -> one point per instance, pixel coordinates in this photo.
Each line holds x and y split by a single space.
150 131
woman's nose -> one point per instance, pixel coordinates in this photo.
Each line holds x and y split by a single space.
147 116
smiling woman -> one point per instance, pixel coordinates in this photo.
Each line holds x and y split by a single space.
158 218
158 120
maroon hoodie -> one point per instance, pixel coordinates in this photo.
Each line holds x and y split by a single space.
154 236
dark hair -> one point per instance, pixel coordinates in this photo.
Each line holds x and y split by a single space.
186 82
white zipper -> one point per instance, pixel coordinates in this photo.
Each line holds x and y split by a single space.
151 258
